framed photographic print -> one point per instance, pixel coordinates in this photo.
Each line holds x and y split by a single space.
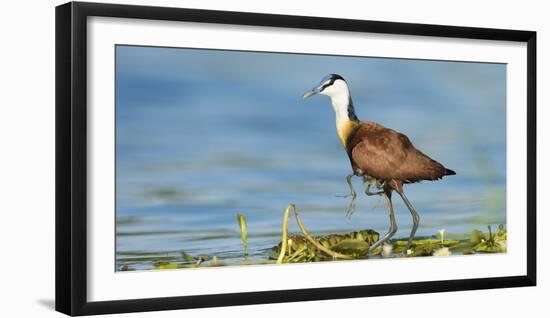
211 158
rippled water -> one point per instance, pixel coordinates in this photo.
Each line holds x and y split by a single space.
204 135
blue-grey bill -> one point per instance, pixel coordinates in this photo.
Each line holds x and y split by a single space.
310 93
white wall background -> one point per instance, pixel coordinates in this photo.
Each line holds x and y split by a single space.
27 158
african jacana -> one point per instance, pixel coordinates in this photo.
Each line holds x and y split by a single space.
381 156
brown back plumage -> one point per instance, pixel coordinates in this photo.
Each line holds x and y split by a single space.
386 154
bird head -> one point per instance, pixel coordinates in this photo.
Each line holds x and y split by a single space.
332 85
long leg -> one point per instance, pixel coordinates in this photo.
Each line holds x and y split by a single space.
393 223
352 194
414 214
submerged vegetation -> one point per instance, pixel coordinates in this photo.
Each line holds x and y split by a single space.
303 247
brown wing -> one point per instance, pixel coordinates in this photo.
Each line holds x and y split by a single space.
386 154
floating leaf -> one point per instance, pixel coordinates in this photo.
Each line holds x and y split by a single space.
492 243
434 242
167 266
422 250
477 237
351 247
462 247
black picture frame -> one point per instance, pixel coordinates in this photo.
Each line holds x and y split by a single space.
71 157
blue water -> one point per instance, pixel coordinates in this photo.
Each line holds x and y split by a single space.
203 135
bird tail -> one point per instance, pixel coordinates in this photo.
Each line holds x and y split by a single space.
449 172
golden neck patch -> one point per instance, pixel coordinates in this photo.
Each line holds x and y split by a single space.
345 128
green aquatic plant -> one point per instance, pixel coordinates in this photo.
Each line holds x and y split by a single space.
442 235
303 247
241 220
309 238
423 246
186 257
352 245
492 242
167 265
